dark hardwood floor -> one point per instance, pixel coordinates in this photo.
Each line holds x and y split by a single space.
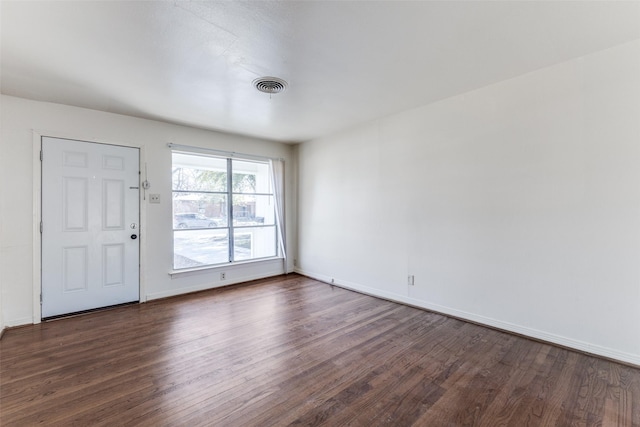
293 351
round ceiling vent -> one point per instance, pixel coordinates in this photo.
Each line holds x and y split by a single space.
270 85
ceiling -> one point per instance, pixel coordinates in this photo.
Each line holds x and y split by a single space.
347 62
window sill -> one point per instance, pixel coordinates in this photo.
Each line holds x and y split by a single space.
218 267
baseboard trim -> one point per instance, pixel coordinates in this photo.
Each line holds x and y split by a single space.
207 286
18 322
546 337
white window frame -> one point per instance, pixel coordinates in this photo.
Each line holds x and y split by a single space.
230 227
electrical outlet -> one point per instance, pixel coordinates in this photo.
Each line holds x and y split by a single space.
223 276
411 280
295 262
154 198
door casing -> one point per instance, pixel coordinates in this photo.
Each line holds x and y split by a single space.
37 136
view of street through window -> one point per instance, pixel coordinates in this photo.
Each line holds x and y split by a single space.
202 189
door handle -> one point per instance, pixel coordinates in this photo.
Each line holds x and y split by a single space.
134 236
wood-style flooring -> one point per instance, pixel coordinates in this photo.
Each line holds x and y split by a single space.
293 351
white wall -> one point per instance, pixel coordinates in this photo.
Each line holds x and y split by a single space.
19 119
2 323
1 254
516 205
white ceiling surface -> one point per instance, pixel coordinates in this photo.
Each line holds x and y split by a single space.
346 62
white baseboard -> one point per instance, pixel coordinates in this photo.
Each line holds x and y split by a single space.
12 323
207 286
586 347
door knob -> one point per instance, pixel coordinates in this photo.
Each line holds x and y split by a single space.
134 236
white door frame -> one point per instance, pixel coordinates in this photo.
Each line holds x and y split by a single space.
37 213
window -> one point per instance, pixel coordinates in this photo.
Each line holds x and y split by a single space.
223 211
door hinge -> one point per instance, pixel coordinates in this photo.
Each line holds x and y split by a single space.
40 227
40 155
40 299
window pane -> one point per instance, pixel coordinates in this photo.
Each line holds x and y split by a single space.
250 177
198 248
199 173
199 210
257 242
202 193
253 210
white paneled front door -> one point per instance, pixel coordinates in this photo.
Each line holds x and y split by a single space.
90 224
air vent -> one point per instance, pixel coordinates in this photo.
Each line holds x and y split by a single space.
270 85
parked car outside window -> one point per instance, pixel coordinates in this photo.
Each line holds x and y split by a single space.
193 220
